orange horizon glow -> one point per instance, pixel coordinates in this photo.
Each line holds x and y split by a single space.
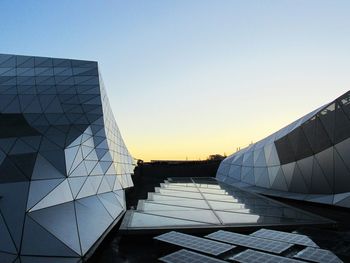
184 148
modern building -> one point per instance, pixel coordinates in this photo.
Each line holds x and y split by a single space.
307 160
63 162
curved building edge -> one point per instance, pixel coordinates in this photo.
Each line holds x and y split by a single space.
63 163
308 159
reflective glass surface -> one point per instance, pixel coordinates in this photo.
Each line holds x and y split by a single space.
205 203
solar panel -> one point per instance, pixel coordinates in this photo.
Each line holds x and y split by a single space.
185 256
252 256
285 237
250 241
195 243
317 255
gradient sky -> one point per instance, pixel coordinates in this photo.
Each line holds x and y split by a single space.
189 78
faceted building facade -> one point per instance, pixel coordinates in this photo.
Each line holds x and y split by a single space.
306 160
63 162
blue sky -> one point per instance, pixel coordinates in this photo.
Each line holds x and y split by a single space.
188 78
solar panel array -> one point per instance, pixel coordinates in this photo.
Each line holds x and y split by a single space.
318 255
250 241
195 243
285 237
264 239
252 256
185 256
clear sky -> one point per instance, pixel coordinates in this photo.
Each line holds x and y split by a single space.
189 78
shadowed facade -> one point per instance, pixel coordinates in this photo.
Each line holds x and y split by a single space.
63 162
307 160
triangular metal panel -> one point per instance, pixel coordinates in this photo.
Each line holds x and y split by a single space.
261 177
248 159
340 197
14 195
238 159
56 158
326 161
273 159
8 258
323 199
45 170
7 144
345 202
259 158
21 147
39 189
60 221
111 180
95 182
6 242
80 170
273 170
59 195
104 186
93 219
341 174
327 117
76 183
35 236
305 166
248 175
97 170
120 194
89 165
297 184
288 170
279 183
319 183
235 172
343 150
111 204
70 154
87 189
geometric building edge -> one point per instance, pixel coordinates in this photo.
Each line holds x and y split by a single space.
63 163
308 159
